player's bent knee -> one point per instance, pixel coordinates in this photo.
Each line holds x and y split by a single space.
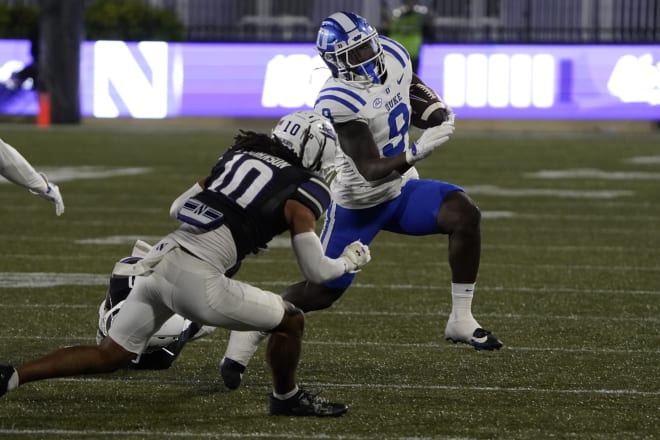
294 314
293 321
470 211
458 212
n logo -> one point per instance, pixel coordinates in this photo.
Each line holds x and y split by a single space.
130 79
197 213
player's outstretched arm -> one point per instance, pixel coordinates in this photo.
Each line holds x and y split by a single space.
18 170
315 266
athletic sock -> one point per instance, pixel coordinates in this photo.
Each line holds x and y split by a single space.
461 304
288 395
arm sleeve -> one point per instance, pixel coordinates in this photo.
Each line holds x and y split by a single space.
18 170
315 266
178 203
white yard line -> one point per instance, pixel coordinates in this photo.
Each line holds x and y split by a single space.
425 346
644 160
46 279
365 386
67 174
375 313
591 173
212 435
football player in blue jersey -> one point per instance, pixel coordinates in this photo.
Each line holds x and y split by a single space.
377 186
260 187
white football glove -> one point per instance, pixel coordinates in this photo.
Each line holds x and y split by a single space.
451 116
431 139
52 194
355 256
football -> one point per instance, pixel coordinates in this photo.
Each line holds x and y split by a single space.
428 110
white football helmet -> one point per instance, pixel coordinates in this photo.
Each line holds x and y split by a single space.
119 289
166 334
311 137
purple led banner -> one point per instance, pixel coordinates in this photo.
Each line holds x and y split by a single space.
159 80
204 80
250 80
546 82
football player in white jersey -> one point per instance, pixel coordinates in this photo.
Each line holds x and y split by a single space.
377 186
18 170
261 187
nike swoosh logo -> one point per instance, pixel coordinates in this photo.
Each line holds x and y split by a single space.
398 81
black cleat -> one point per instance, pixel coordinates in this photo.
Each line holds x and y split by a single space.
305 404
6 371
232 373
481 340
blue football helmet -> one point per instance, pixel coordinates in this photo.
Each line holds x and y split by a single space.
351 49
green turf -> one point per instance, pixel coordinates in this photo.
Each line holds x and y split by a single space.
570 284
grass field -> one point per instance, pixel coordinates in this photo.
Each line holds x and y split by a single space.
570 281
